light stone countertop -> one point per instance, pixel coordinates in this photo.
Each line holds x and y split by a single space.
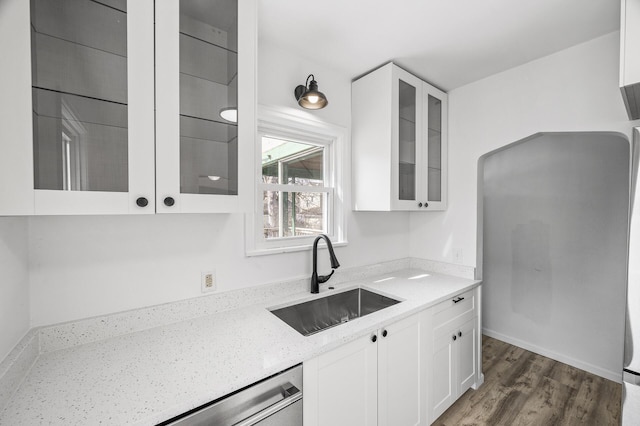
150 376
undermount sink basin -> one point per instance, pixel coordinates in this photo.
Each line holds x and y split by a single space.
319 314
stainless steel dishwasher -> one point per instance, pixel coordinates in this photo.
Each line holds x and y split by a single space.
275 401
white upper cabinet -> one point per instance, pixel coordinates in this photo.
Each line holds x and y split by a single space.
78 132
81 136
399 126
205 67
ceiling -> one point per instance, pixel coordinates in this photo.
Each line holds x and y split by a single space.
447 42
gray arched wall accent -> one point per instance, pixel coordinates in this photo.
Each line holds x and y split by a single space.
552 246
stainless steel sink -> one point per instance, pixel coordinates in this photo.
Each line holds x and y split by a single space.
319 314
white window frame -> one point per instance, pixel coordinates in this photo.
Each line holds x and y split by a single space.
279 123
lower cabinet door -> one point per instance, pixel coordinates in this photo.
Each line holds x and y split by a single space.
401 364
340 387
467 345
442 377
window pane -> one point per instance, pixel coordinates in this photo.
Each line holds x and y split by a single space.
293 214
292 163
271 214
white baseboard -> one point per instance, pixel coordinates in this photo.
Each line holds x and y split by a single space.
479 382
615 376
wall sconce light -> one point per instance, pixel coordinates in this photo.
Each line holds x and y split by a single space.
308 95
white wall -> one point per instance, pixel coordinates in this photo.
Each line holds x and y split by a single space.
555 222
572 90
85 266
14 283
280 71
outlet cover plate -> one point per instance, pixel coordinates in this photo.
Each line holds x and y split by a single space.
208 281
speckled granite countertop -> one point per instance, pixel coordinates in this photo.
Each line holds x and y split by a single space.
152 375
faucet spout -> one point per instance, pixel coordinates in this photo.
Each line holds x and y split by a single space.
315 279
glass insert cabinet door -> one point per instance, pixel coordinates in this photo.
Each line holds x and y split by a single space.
435 106
434 146
407 143
86 57
205 70
407 151
421 157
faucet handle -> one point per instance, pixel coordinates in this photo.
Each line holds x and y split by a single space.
324 278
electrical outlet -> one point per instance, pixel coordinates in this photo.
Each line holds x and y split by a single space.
208 281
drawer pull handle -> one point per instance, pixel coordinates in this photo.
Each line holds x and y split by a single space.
458 299
291 393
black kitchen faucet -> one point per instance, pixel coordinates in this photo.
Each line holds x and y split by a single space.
315 279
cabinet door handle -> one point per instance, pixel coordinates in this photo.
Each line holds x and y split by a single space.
454 337
142 202
459 333
374 338
458 299
419 204
169 201
384 333
426 204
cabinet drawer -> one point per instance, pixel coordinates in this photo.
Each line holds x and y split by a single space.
463 304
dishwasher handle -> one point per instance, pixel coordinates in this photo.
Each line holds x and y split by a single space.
293 395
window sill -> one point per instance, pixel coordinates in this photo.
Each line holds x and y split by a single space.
291 249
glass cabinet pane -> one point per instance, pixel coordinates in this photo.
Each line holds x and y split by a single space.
79 77
208 88
434 148
407 141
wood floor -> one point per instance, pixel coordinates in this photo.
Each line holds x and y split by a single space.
523 388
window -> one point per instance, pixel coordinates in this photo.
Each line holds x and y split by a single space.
298 184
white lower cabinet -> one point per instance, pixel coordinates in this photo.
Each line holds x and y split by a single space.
401 365
340 387
404 374
454 361
375 380
453 366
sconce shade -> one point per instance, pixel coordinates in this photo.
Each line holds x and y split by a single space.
309 96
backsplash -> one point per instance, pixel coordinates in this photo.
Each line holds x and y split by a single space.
64 335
